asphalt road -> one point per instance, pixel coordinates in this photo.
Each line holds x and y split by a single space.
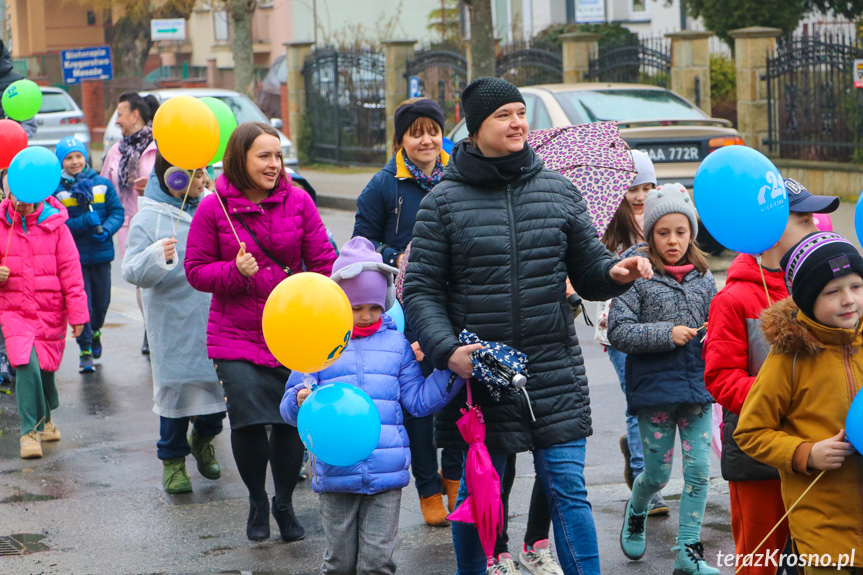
94 504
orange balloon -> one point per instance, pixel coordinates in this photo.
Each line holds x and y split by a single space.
186 132
307 322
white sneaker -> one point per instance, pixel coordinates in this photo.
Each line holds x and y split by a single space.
539 560
503 566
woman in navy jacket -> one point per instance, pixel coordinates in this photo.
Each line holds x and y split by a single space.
386 213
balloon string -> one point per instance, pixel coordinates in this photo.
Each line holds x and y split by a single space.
743 564
224 209
9 237
183 204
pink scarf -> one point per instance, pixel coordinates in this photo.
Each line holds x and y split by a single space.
679 272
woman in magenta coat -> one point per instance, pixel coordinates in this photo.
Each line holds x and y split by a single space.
280 232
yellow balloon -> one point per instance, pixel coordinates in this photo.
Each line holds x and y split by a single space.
307 322
186 132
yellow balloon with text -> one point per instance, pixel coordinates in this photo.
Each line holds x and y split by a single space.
307 322
186 132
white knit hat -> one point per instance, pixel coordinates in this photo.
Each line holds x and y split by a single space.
668 199
644 167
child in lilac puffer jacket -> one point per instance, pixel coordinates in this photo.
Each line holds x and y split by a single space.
360 503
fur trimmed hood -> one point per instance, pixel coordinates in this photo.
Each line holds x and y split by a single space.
788 330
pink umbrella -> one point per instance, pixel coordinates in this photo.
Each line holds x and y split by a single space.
595 158
483 506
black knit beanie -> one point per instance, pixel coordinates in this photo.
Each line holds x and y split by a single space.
485 95
407 114
816 260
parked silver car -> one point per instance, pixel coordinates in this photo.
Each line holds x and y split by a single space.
244 109
58 118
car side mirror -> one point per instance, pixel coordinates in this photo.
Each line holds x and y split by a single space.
276 123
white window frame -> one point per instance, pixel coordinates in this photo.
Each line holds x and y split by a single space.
640 16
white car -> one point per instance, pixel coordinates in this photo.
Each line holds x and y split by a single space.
59 117
244 109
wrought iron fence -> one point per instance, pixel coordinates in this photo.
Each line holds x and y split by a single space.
530 64
634 60
814 111
442 75
346 106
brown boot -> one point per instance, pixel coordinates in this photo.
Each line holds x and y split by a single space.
433 510
450 487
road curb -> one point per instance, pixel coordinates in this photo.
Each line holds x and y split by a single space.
337 203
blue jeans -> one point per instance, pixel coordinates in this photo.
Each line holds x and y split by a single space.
560 468
97 285
172 442
636 458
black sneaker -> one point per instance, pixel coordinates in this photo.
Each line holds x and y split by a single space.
97 344
628 475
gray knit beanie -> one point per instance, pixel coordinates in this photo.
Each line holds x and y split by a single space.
668 199
644 167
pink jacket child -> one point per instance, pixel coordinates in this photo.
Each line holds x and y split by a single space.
287 223
45 289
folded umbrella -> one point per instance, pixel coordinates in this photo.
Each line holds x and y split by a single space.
483 506
500 367
595 158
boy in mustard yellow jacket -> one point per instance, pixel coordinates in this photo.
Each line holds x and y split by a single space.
794 417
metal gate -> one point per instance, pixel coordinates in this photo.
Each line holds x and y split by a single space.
441 75
346 105
528 66
633 60
814 111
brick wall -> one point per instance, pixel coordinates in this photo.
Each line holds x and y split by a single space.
93 105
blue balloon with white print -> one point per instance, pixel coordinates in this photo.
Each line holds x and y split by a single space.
741 199
398 315
854 423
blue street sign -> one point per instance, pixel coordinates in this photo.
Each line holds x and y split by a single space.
87 64
414 87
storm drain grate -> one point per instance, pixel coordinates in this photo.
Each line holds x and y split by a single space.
8 548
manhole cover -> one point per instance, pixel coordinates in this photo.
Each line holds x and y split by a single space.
7 549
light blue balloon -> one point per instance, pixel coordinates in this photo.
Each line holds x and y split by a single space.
340 424
34 174
854 423
398 315
741 199
858 218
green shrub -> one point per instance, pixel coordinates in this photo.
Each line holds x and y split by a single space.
723 78
304 142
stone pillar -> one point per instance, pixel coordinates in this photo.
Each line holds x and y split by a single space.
690 66
296 54
578 48
93 106
397 54
284 106
751 47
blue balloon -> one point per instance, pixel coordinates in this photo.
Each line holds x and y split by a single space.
854 423
858 218
398 315
447 145
340 424
34 174
741 199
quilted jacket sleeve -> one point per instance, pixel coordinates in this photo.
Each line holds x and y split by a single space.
422 396
288 407
371 218
588 262
726 354
116 213
205 269
627 334
426 279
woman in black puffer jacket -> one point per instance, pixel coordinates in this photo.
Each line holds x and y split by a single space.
492 248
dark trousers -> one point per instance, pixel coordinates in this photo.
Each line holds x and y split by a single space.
538 516
173 443
424 463
97 284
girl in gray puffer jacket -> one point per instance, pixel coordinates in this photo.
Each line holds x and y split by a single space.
659 323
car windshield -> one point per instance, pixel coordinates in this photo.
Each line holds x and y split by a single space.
243 108
625 106
54 102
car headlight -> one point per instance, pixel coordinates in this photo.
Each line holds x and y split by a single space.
289 153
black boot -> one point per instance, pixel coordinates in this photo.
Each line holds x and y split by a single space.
288 525
258 525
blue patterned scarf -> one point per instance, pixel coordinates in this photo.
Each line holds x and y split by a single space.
424 181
